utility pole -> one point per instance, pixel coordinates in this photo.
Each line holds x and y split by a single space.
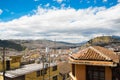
43 59
49 65
3 61
48 58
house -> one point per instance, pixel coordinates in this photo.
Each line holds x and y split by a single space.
11 62
33 72
13 70
94 63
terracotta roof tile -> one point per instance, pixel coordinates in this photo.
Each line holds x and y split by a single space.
96 53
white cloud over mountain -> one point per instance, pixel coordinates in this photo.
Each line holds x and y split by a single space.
65 24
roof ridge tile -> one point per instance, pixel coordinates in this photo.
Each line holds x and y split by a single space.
103 55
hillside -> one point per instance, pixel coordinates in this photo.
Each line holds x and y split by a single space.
11 45
33 44
104 41
19 45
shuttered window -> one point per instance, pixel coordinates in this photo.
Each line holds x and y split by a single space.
95 73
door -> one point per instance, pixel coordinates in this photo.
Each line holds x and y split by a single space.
7 65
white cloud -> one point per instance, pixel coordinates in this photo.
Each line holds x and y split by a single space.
1 11
47 5
118 1
65 24
104 0
63 5
59 1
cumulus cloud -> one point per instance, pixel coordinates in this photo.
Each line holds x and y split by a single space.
1 11
59 1
63 5
47 5
65 24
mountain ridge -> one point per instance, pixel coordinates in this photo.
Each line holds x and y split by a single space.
33 44
103 41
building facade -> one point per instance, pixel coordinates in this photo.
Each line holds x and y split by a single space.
11 62
34 72
94 63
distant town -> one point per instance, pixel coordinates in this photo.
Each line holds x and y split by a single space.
96 59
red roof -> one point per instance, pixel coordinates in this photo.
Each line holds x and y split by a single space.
96 53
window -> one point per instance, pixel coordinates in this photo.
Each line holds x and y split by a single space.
38 73
7 65
55 77
116 73
95 73
43 71
15 59
54 68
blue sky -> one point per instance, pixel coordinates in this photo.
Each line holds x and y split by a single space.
17 8
64 20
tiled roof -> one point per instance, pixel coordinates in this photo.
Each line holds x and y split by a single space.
96 53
